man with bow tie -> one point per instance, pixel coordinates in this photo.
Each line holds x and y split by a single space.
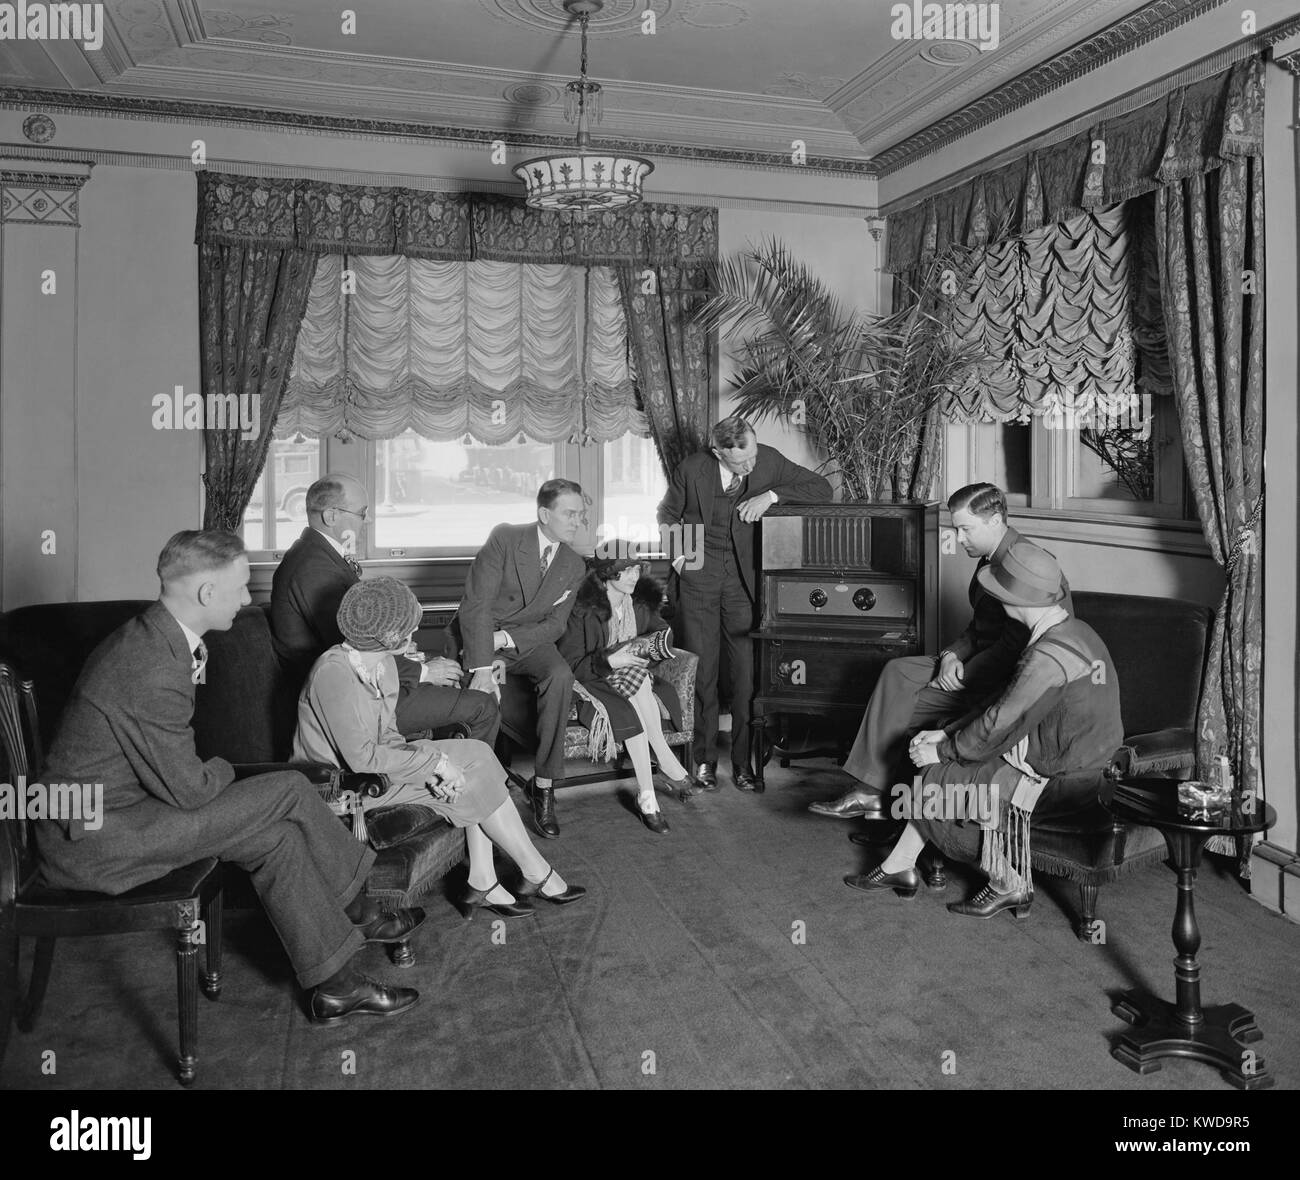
128 725
306 590
515 608
718 495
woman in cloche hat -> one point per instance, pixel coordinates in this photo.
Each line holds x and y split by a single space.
346 717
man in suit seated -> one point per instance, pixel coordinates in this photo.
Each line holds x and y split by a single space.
919 692
514 610
128 726
714 498
306 590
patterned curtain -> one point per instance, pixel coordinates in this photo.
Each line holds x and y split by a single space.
1211 252
251 304
671 354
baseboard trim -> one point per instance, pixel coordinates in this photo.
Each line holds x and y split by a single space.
1275 879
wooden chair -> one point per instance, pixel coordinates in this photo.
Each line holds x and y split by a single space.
174 902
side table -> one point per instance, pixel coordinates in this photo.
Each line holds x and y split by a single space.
1185 1029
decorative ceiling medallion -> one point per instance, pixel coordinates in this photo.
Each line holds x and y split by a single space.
618 16
530 94
38 128
948 53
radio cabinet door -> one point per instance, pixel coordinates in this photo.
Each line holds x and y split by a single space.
840 674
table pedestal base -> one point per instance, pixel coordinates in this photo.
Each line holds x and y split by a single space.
1218 1041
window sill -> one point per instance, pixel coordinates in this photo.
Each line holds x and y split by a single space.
1153 533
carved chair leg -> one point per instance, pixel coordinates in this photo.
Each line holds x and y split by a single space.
1088 911
212 915
187 993
42 964
402 954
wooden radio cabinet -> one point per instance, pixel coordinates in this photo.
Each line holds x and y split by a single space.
843 589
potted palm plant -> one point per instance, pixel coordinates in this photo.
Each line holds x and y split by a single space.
868 390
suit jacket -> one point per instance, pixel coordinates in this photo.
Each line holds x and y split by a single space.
306 589
505 591
127 724
696 482
992 643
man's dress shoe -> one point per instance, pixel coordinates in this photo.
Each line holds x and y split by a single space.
987 903
368 998
533 889
744 778
706 774
858 803
543 803
905 884
391 926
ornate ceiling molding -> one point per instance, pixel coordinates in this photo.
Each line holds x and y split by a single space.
180 110
1114 41
1290 62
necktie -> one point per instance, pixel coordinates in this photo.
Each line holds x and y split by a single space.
733 486
198 668
546 559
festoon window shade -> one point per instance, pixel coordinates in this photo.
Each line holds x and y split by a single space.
491 350
1069 317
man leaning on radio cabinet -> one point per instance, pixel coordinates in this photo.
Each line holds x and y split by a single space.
920 692
716 496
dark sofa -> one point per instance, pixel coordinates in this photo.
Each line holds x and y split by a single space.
245 712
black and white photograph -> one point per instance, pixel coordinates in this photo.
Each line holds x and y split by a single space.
649 545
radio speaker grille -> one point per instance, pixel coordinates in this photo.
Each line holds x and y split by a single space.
842 542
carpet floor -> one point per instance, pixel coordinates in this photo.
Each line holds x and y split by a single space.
726 954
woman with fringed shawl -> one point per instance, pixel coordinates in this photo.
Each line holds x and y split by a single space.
615 632
1038 750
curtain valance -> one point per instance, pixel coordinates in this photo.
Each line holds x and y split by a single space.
1193 129
325 218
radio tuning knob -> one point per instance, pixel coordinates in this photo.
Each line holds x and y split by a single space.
818 597
864 599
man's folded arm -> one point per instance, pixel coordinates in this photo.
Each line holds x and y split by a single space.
797 485
1030 694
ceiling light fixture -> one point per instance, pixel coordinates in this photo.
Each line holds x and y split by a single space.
583 179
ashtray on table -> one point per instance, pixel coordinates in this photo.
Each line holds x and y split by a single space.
1203 801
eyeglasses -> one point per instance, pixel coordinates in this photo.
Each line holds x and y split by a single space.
353 511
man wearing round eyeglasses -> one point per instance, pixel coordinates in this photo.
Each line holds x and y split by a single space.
308 586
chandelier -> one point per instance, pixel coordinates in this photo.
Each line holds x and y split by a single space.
583 179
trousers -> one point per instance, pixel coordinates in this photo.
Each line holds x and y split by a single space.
304 864
552 680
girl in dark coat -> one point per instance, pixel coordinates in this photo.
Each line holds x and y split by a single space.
616 604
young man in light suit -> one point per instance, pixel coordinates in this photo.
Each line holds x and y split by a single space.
516 605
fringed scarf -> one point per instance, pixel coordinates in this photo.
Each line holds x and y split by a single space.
1004 848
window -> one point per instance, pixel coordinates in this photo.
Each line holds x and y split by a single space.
1129 464
632 483
292 466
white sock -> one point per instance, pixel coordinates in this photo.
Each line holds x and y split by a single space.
647 802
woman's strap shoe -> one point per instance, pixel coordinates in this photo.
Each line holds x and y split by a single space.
474 898
988 903
654 820
905 884
530 889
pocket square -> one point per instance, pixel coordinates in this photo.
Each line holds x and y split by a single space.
562 598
